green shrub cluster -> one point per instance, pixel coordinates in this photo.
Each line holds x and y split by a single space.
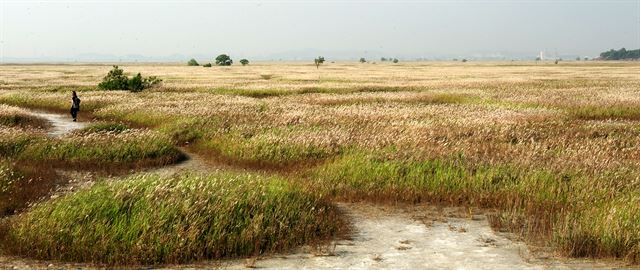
192 62
116 80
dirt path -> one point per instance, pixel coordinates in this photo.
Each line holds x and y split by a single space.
385 237
63 124
60 124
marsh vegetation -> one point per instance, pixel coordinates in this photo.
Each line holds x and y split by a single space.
553 148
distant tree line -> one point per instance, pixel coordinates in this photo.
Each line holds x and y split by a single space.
221 60
621 54
384 59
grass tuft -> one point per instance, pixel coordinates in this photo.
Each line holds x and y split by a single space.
603 112
148 219
105 127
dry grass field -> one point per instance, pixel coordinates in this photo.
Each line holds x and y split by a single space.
554 148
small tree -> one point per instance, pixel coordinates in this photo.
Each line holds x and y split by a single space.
138 83
362 60
115 80
395 60
207 65
578 58
244 62
382 59
223 60
464 60
318 61
192 62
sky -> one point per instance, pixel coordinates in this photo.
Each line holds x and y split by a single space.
72 30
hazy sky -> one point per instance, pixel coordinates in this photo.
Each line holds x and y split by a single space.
41 29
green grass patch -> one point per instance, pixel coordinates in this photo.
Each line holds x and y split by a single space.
67 88
257 151
54 101
16 117
23 120
188 130
23 184
136 117
432 98
9 177
105 127
129 148
609 228
149 219
603 112
255 93
366 176
14 141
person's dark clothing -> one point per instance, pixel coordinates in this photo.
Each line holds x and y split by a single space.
75 107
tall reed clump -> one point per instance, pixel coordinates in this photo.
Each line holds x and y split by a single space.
605 111
603 228
95 147
22 184
59 102
368 176
8 178
260 151
15 117
14 140
148 219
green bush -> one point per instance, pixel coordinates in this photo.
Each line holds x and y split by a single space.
138 83
192 62
244 62
207 65
116 80
223 60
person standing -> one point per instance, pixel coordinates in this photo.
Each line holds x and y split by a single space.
75 106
